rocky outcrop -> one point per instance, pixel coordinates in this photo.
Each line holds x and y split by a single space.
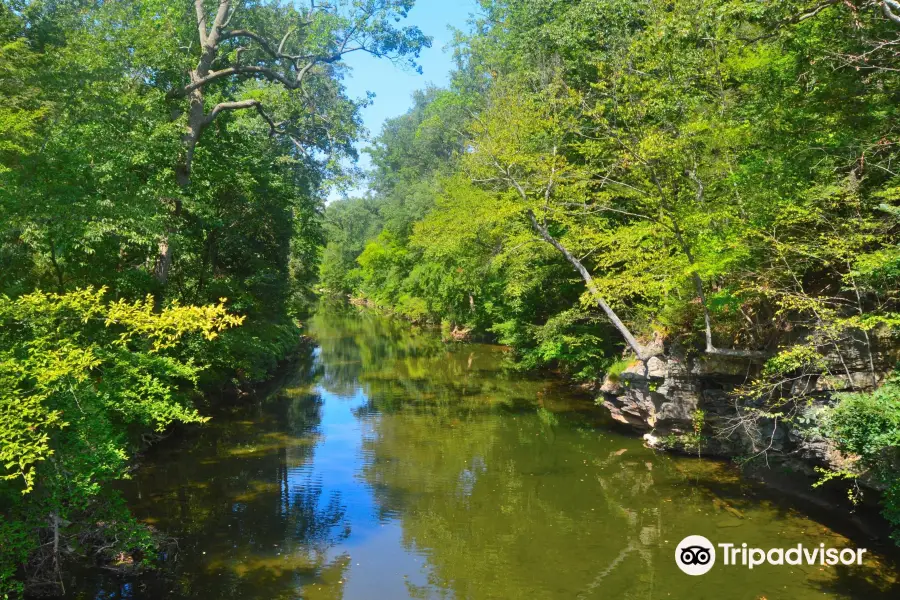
662 398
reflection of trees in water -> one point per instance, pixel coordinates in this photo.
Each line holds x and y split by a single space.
403 367
504 511
458 453
353 343
506 498
250 519
517 506
312 520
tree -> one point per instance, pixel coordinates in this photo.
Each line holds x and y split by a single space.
519 148
236 46
349 224
107 154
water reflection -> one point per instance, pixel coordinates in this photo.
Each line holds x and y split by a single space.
390 465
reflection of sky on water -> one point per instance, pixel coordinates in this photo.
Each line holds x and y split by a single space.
379 567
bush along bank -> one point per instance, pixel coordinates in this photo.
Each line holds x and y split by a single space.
84 379
87 382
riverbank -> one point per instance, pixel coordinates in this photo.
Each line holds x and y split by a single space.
695 407
393 465
690 406
97 383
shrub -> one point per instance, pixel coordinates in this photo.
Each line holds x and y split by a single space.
868 425
80 380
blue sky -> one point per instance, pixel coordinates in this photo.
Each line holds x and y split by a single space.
392 84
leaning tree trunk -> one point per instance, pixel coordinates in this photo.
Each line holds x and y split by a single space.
644 353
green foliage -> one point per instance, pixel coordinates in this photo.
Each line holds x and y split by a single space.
245 356
868 426
349 224
742 199
108 166
22 108
80 377
615 370
572 341
694 439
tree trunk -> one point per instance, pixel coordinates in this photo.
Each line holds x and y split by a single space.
196 122
60 286
643 353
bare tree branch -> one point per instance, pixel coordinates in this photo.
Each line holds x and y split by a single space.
887 7
267 72
815 10
284 39
212 38
223 106
201 21
202 81
243 33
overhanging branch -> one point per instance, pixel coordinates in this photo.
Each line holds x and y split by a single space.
236 105
274 128
266 72
888 7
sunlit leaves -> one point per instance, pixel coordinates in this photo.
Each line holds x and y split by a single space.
73 360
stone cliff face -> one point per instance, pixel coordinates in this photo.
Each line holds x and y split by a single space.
661 400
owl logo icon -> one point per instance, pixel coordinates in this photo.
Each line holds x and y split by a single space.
695 555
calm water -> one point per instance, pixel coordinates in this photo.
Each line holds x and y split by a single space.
389 465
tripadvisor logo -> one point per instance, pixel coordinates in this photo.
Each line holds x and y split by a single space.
696 555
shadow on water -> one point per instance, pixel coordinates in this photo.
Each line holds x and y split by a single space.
390 465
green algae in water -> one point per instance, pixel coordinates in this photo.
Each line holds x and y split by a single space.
390 465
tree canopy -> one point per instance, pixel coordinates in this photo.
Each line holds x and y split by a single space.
629 179
161 149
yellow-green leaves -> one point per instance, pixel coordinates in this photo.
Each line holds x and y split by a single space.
76 370
25 423
166 328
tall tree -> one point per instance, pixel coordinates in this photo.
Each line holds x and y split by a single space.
289 46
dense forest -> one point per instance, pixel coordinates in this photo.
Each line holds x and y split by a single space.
162 166
603 181
611 180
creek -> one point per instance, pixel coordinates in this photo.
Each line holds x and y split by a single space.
388 465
